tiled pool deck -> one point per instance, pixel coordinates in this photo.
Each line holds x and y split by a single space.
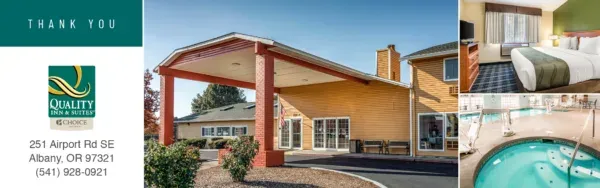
565 125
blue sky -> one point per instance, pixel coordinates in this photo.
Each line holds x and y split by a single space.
346 32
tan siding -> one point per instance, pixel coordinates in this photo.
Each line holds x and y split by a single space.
395 66
194 130
382 64
376 111
431 95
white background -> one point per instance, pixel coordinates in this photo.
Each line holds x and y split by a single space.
24 114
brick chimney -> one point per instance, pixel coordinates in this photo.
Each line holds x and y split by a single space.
388 63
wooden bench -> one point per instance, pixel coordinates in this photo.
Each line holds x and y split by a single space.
397 144
373 144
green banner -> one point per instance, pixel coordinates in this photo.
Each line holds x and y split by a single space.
71 23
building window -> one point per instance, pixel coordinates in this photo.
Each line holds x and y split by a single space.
431 131
451 69
331 133
208 131
452 125
435 128
223 131
239 131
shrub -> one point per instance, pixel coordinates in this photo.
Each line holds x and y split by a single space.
211 144
239 159
173 166
199 143
220 144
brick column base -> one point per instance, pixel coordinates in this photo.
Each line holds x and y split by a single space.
269 158
272 158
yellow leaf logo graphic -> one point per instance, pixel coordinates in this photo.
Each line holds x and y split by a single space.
66 88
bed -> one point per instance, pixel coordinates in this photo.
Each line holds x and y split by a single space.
568 71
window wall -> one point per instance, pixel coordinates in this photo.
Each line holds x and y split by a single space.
435 128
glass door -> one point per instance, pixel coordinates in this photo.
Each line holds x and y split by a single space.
319 133
330 128
284 135
296 133
343 133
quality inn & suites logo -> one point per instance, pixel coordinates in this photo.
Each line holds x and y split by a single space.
71 97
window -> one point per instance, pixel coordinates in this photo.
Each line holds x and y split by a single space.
208 131
504 27
451 125
223 131
239 131
431 131
434 128
451 69
212 131
331 133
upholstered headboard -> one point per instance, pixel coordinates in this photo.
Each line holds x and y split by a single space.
579 34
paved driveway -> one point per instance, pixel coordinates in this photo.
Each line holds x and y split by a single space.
391 173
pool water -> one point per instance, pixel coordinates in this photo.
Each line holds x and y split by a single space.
467 118
537 164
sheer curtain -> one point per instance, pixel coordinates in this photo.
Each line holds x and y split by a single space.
511 28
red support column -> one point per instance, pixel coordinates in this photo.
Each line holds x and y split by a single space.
264 110
166 109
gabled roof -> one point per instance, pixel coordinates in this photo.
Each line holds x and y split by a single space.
438 50
279 47
235 112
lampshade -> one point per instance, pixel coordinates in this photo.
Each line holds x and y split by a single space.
553 37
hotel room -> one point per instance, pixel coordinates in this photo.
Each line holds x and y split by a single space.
523 46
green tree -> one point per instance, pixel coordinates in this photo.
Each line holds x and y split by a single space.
217 95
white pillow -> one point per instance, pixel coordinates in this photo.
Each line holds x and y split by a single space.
574 44
588 45
564 43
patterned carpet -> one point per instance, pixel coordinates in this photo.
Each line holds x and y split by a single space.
495 78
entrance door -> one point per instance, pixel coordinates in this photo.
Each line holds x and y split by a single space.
291 134
296 133
331 133
284 135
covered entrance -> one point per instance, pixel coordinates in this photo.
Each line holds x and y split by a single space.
331 133
263 65
290 134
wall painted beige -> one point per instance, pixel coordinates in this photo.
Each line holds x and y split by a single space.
489 53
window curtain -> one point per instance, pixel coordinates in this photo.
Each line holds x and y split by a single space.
494 27
502 27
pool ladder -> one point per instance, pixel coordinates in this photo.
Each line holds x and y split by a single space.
592 113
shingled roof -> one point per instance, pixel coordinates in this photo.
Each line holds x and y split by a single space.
235 112
442 49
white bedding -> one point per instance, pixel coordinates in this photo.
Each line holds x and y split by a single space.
582 66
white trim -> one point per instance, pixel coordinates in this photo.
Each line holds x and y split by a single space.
419 132
447 52
411 103
457 64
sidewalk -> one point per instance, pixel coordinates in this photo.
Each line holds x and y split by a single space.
431 159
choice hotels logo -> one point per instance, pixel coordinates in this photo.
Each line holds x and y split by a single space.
71 97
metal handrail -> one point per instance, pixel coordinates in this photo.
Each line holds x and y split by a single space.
593 114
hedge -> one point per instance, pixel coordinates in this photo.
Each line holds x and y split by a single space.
220 144
199 143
